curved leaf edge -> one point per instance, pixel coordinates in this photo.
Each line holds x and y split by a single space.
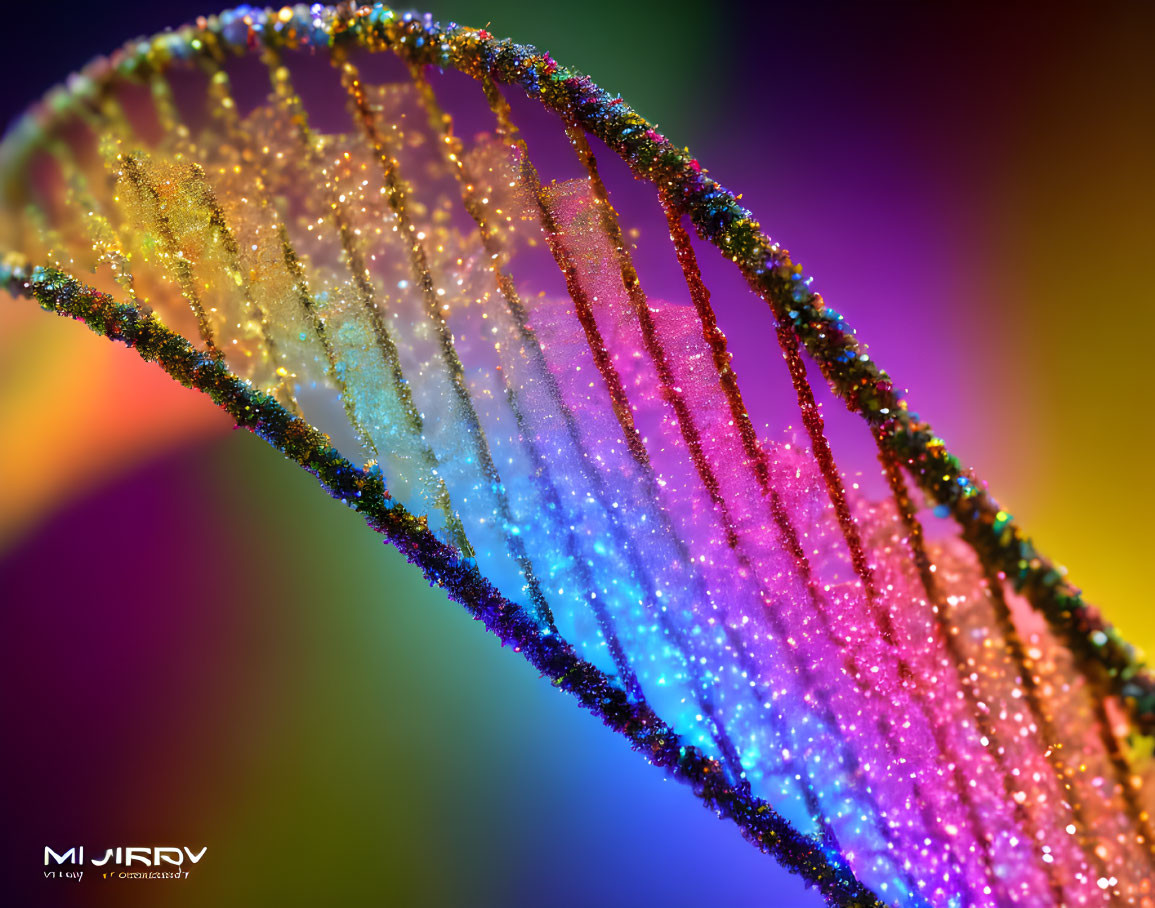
1103 655
444 566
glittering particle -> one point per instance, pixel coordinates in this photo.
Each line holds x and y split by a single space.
901 716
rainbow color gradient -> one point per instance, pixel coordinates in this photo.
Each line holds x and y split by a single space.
984 227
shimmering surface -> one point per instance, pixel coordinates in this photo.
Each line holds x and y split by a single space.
578 441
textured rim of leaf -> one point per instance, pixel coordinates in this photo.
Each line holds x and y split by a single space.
867 390
442 565
1102 653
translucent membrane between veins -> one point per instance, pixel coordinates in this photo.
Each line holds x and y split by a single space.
464 300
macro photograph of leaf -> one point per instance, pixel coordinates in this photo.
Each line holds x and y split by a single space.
431 475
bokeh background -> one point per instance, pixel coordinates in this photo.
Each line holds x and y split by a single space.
198 647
